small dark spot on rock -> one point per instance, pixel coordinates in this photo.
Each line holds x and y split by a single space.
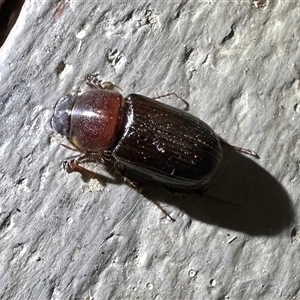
128 17
294 233
113 56
176 15
149 17
187 53
6 222
21 180
59 69
229 36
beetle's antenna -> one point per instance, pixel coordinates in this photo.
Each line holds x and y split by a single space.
70 148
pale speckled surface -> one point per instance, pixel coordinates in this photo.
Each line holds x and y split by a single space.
239 67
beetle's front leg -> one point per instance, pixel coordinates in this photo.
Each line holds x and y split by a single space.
72 164
93 82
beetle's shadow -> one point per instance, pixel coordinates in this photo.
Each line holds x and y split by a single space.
243 197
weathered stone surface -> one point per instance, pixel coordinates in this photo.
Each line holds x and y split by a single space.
238 65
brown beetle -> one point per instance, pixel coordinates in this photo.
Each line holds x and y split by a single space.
144 140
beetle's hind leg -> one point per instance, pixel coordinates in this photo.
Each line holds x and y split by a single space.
239 149
246 151
137 186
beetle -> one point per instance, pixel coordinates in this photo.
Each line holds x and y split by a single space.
143 140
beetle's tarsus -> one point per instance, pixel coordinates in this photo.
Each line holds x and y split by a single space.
93 82
70 165
133 184
239 149
246 151
168 217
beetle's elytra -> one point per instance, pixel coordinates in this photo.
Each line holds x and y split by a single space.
144 140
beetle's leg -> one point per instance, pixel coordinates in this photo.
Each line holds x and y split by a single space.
246 151
241 150
72 164
187 105
163 210
93 82
136 186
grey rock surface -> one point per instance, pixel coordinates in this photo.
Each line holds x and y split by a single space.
238 65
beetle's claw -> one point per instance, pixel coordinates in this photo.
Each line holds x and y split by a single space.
171 219
70 165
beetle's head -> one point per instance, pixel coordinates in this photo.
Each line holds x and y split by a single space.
61 119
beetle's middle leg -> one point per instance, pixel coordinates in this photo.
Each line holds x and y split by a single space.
187 105
137 186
